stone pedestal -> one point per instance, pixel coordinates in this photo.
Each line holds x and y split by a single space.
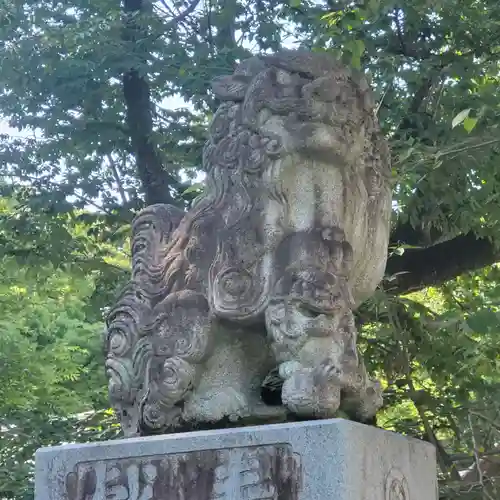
320 460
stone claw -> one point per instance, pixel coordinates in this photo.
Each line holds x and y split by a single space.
304 396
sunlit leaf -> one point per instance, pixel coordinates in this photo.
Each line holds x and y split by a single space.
460 117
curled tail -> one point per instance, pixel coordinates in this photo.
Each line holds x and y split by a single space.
129 350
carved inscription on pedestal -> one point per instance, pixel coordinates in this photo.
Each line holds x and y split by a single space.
255 473
396 486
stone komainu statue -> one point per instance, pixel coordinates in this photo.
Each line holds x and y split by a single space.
258 281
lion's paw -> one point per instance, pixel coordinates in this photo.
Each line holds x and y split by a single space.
215 405
304 396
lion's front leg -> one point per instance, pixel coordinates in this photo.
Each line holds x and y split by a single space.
313 363
313 337
320 389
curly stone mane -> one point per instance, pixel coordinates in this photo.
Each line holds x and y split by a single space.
296 196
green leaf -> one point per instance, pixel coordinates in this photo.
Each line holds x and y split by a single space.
460 117
373 5
483 321
470 123
355 48
359 47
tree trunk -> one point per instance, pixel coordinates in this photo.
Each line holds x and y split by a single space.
156 181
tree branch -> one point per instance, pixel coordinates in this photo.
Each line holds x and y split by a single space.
443 459
181 16
432 266
118 180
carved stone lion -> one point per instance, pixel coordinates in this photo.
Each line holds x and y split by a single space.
258 281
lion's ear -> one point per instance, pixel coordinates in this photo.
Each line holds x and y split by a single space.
230 88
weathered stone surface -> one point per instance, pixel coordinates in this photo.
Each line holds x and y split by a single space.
329 459
256 284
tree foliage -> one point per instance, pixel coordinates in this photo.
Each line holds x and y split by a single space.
87 90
